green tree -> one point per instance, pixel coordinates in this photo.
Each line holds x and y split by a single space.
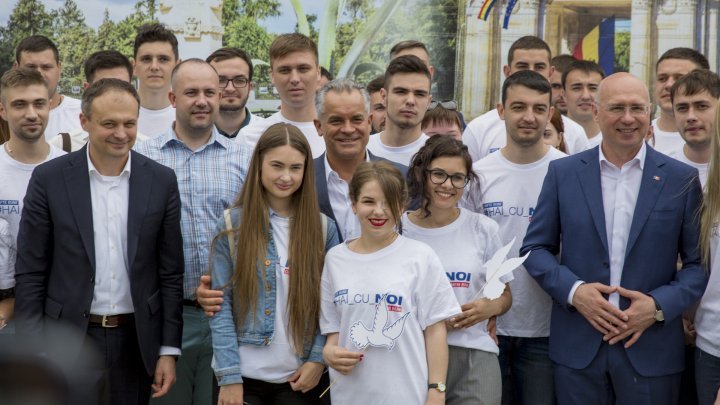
259 9
106 33
75 41
246 34
123 35
622 51
311 19
29 17
230 12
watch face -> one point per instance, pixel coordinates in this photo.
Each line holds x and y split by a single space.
441 387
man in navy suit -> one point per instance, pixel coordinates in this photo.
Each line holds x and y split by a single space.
622 214
344 122
100 253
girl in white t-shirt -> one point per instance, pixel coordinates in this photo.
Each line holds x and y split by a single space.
385 299
268 258
464 241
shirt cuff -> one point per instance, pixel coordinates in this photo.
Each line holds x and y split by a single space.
169 351
572 291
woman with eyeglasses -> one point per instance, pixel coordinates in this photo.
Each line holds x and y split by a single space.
464 241
442 118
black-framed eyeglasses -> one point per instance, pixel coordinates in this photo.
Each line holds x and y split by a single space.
237 81
439 176
446 104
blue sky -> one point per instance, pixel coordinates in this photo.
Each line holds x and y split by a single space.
94 9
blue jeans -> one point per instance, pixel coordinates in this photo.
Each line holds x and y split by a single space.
527 371
707 376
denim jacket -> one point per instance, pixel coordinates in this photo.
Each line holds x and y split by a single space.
258 330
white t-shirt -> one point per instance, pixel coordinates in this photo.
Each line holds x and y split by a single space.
14 178
707 317
381 303
277 361
463 247
486 134
253 131
64 118
595 140
666 141
397 154
155 122
702 168
509 195
8 252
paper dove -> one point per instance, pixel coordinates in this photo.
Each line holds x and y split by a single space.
496 268
379 335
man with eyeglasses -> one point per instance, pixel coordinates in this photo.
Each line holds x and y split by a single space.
509 184
623 214
211 170
235 69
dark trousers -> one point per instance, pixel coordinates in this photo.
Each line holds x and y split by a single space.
111 370
611 379
256 392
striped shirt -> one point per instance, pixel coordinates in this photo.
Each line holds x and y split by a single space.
210 179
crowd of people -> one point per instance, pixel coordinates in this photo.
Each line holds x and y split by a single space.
165 245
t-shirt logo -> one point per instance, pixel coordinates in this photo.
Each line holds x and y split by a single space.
9 207
381 334
497 208
459 279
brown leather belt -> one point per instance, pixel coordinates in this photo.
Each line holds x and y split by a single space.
110 321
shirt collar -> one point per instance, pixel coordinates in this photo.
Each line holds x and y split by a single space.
639 157
246 121
93 169
170 137
329 170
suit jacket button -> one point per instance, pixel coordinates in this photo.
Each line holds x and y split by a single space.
85 314
605 264
92 279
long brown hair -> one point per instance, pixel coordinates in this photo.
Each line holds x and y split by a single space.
710 209
306 250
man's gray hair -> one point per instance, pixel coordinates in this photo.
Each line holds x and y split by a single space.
340 86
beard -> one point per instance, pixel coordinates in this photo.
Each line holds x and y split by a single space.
232 108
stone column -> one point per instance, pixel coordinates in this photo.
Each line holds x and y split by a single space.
711 32
640 39
197 24
676 25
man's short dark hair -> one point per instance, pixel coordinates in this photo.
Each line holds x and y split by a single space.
376 84
528 42
103 86
155 32
231 53
686 54
406 64
696 82
286 44
586 66
326 74
35 44
530 79
20 77
109 59
561 62
405 45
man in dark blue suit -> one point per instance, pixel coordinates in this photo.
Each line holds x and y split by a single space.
344 122
622 214
100 254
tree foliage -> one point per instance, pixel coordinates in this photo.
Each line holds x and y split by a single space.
75 41
29 17
622 51
245 33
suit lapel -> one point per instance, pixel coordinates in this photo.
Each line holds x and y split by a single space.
589 176
653 180
140 189
77 180
321 187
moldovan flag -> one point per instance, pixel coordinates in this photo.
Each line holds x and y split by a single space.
599 46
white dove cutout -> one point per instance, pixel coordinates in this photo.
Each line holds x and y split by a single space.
496 268
381 334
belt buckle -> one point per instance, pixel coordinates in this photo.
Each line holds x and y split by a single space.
104 323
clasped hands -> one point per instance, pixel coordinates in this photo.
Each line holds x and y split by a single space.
614 324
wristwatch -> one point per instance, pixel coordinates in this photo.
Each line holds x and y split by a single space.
659 315
438 386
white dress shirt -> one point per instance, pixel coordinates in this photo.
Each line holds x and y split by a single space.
339 195
110 195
